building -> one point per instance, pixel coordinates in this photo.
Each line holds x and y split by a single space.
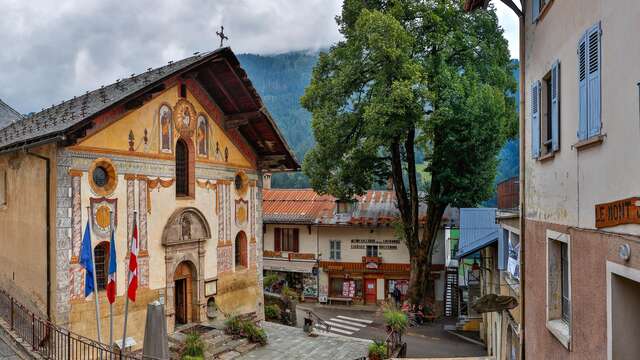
183 146
489 250
354 244
581 211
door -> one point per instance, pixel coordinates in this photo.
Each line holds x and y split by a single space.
370 291
181 301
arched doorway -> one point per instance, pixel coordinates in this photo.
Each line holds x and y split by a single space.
241 250
185 284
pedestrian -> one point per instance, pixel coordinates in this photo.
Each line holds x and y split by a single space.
397 295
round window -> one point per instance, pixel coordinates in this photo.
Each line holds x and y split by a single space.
100 176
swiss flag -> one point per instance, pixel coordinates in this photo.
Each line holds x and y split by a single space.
133 264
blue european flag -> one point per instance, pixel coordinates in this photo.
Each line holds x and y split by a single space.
86 260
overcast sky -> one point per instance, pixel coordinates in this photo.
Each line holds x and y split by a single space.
53 50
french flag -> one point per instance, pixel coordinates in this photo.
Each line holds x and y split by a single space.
111 281
133 264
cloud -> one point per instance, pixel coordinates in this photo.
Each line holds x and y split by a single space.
54 50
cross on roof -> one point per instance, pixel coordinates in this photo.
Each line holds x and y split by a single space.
221 35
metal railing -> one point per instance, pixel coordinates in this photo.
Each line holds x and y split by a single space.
52 341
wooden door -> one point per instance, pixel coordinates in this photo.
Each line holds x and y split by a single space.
370 291
181 301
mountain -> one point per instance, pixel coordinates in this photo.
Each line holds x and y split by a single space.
281 80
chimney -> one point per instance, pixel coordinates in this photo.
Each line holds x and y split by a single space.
266 181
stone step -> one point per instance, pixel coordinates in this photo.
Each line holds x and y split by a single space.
228 355
212 351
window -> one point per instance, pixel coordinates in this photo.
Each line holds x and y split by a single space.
589 63
182 171
286 239
101 257
559 286
545 113
183 90
335 251
538 7
241 250
3 187
513 263
372 250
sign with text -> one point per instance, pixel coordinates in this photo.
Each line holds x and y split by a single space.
391 244
618 212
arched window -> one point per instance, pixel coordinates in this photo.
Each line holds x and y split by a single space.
182 168
241 250
101 256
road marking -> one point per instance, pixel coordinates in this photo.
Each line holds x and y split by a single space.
335 324
334 329
354 319
348 322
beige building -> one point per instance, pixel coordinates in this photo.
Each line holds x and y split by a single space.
180 150
353 244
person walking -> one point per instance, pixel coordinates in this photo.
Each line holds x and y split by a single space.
397 295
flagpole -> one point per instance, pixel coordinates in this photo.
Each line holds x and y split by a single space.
126 301
95 284
110 304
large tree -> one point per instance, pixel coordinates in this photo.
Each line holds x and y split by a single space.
412 74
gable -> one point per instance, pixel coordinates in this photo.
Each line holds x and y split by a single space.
152 131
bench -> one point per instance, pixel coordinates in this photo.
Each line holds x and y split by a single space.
347 300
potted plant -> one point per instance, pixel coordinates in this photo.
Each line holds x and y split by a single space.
377 350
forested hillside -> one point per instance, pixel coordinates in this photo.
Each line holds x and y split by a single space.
281 80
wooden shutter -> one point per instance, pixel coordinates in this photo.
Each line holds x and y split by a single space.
277 239
555 106
244 258
535 10
582 88
296 241
535 120
593 80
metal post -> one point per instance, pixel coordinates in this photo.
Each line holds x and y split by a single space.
33 331
110 304
126 301
68 345
11 313
95 284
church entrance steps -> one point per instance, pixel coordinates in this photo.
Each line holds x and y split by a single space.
217 344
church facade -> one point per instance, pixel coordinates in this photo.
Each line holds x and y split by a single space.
179 151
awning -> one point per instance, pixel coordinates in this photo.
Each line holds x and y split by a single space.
478 229
289 266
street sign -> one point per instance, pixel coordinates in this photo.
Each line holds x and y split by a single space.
618 212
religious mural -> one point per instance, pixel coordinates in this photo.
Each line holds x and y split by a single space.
166 129
203 136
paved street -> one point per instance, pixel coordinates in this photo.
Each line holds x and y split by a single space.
429 340
286 342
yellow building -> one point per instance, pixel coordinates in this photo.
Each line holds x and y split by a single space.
180 149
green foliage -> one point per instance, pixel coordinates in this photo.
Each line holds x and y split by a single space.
377 350
193 348
254 333
233 325
288 293
272 311
270 279
396 320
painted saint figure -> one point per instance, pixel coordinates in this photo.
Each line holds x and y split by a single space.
203 140
165 128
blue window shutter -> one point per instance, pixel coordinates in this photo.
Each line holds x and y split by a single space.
593 80
582 88
503 248
535 120
535 11
555 106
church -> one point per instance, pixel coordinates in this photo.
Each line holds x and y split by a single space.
178 150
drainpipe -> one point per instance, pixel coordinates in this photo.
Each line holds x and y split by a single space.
48 212
522 184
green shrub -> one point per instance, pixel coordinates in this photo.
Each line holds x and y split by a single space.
290 294
269 280
233 325
254 333
377 350
396 320
193 347
272 311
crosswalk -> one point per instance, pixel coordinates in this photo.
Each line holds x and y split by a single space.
343 325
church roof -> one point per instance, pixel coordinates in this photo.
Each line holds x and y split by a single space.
7 114
218 72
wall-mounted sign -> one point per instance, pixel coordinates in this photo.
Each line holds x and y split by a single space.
618 212
371 265
210 287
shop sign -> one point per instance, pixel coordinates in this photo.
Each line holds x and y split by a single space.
301 256
372 265
618 212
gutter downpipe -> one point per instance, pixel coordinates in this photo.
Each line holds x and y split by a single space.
48 214
522 183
